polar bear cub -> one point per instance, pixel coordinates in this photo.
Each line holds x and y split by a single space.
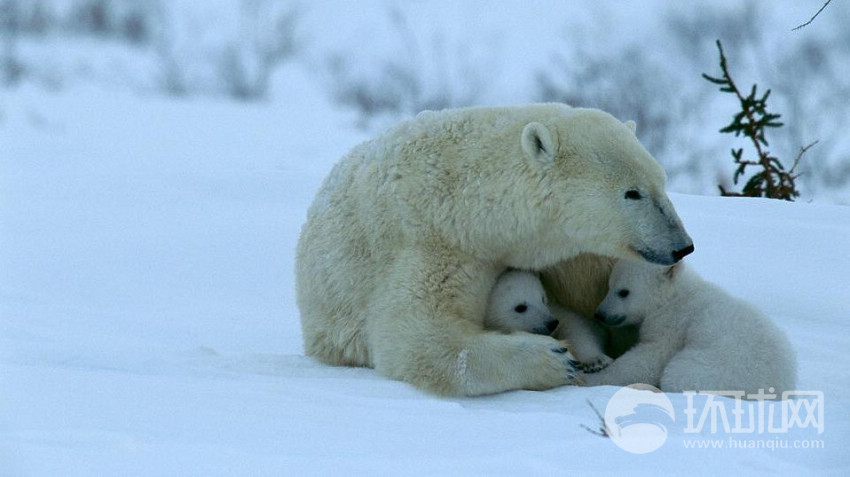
693 335
518 303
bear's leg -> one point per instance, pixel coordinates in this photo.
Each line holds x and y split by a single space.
695 370
332 311
585 337
425 327
334 338
644 363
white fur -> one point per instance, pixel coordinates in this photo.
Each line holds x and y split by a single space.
693 335
587 339
409 232
576 287
518 303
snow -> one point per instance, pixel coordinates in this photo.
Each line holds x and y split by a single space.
148 324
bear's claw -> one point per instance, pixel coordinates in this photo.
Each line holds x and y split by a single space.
573 367
596 365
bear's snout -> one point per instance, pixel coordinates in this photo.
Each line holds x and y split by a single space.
682 252
609 320
665 256
547 327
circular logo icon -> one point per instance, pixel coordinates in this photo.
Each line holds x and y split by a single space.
637 417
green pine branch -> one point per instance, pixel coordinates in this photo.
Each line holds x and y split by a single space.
753 119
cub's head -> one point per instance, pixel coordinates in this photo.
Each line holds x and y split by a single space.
518 303
603 189
635 290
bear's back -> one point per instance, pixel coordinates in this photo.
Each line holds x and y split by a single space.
404 173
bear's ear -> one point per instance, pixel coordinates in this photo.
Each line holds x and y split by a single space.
538 143
632 126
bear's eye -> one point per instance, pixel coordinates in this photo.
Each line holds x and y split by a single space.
633 194
521 308
623 293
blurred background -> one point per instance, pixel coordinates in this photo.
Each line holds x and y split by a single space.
378 62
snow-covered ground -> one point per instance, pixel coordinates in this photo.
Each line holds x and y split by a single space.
148 324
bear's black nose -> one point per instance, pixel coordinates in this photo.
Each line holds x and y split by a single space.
551 325
682 252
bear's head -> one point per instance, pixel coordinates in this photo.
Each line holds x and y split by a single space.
603 189
636 289
518 303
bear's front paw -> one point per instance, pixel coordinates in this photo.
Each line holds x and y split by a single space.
534 361
572 366
596 364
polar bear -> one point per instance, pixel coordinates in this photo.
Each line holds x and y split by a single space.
409 231
693 335
518 302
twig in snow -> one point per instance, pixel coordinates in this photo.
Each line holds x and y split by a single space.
602 431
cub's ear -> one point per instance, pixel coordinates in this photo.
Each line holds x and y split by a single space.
632 125
538 143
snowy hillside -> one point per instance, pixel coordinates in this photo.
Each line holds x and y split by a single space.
147 316
383 60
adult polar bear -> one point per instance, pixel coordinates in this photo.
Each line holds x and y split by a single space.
410 230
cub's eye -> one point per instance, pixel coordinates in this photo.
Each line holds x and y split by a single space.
633 195
521 308
623 293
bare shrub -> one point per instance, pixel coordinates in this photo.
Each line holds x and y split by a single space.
808 78
10 67
628 85
694 30
268 36
238 64
418 78
119 19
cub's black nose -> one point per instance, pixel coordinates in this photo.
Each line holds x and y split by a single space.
681 253
551 325
610 320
